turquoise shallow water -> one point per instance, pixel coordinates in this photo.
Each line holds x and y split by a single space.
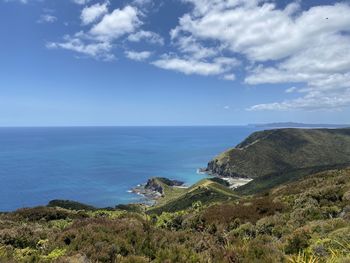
98 165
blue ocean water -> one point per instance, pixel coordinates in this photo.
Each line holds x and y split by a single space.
98 165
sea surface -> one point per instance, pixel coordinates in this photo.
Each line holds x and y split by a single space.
98 165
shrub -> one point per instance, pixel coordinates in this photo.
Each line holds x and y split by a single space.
259 250
297 241
171 221
26 255
44 213
302 257
54 254
246 230
251 211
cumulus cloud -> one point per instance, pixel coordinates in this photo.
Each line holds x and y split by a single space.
116 24
98 50
190 46
269 44
138 56
92 13
147 36
311 102
191 66
280 45
323 67
262 32
98 41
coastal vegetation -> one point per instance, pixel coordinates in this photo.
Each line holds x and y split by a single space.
304 221
302 218
205 191
273 157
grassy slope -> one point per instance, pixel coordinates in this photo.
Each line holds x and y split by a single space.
277 156
169 191
267 182
206 191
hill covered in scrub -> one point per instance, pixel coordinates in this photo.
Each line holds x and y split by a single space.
171 195
275 156
304 221
206 191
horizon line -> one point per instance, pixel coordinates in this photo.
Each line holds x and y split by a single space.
181 125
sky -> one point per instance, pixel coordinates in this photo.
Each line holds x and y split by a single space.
173 62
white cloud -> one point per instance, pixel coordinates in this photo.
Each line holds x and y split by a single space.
231 77
138 56
98 50
142 2
328 92
92 13
148 36
117 23
46 18
192 66
226 107
98 42
189 46
324 67
329 56
310 102
81 2
19 1
308 47
262 32
291 90
189 66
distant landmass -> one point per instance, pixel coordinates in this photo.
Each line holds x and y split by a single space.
297 125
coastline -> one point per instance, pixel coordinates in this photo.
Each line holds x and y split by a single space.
155 188
152 194
234 182
150 197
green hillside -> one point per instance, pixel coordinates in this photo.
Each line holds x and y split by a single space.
205 191
301 222
166 188
276 156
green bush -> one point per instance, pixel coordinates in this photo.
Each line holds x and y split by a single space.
297 241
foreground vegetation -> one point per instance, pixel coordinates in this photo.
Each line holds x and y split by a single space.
303 221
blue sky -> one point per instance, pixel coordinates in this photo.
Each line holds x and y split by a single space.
189 62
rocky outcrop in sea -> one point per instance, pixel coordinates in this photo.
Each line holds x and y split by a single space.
153 189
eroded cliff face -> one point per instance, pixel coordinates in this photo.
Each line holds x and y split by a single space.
219 168
282 151
154 185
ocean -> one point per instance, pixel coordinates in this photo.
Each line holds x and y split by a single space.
98 165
